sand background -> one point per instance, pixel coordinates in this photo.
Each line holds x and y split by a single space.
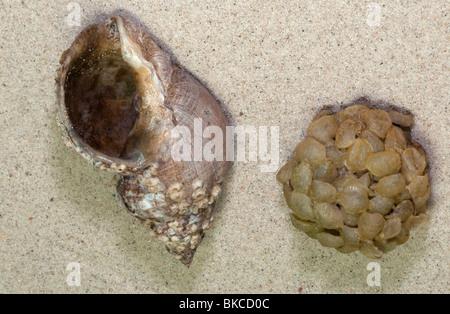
271 63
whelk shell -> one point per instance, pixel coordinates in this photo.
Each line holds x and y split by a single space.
120 98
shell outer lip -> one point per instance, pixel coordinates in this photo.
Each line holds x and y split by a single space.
72 138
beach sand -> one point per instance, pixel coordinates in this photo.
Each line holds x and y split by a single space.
270 63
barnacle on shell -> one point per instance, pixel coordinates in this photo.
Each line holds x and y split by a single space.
357 183
120 99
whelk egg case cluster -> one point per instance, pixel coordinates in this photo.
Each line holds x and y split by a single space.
358 182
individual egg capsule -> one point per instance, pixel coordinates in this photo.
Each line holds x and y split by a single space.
419 185
330 240
383 164
322 192
323 129
336 156
354 197
404 210
420 149
370 225
328 215
357 155
381 205
306 226
365 180
413 163
404 120
301 205
403 237
374 140
341 180
391 186
395 140
378 121
301 178
287 193
351 112
351 237
391 229
285 173
420 190
348 132
311 151
421 201
325 172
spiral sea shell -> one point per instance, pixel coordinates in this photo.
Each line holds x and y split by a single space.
120 100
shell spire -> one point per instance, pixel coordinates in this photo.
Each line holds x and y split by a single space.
121 101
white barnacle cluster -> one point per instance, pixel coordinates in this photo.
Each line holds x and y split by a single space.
175 238
180 202
152 200
176 192
191 200
214 195
179 244
152 183
199 197
195 240
118 168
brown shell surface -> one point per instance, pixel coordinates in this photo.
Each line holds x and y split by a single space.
175 199
358 182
